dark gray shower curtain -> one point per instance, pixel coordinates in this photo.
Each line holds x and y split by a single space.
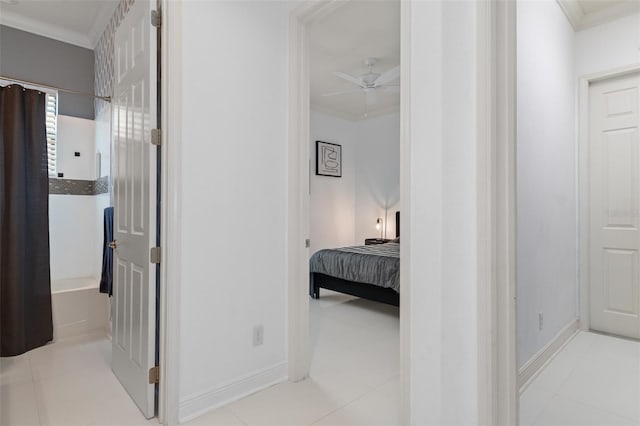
25 282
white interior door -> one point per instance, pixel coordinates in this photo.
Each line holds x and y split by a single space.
614 163
134 181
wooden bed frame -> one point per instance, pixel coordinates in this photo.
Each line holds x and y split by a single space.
365 291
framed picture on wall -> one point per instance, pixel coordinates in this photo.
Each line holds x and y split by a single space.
328 159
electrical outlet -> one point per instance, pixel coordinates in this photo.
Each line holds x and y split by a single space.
258 335
540 321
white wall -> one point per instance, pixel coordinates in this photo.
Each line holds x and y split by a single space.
232 266
76 135
546 150
344 211
377 175
332 206
608 46
75 221
73 238
233 191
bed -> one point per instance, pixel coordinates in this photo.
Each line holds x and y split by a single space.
371 271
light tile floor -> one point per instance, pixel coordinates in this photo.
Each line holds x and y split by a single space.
354 378
65 383
594 380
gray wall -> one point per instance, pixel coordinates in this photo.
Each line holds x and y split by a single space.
40 59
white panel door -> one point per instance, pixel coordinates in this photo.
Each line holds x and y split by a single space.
614 162
134 181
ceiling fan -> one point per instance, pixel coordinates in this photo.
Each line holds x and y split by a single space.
370 82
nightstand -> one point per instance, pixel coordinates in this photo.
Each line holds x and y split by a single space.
371 241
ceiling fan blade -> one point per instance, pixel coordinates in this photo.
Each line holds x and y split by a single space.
372 97
349 78
392 89
388 76
342 92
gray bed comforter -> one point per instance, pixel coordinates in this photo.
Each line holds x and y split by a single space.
377 264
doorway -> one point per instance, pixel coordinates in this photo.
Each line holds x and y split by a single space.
299 184
354 208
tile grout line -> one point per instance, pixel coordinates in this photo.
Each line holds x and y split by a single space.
342 406
35 391
233 413
358 398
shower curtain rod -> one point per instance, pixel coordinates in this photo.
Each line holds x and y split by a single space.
59 89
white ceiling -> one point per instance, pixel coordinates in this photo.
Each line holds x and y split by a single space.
342 41
588 13
79 22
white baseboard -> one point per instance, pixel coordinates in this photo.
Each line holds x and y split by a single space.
198 404
536 364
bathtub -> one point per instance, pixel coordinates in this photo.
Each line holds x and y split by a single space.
78 307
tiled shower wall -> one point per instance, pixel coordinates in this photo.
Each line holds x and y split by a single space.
104 59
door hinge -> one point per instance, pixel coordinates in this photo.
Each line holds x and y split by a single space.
156 136
307 243
154 375
154 255
156 18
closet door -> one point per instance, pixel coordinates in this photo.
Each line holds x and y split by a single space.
614 167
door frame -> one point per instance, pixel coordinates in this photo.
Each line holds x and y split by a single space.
497 290
171 211
496 129
584 185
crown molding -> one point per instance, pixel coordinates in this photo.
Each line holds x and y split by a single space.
101 21
14 20
609 14
580 20
573 12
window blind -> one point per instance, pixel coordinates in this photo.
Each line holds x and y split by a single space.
52 132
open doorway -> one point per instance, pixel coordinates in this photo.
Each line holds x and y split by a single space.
79 64
578 284
354 198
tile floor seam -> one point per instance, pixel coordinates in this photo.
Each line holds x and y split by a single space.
233 413
348 403
564 382
246 423
229 406
35 391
